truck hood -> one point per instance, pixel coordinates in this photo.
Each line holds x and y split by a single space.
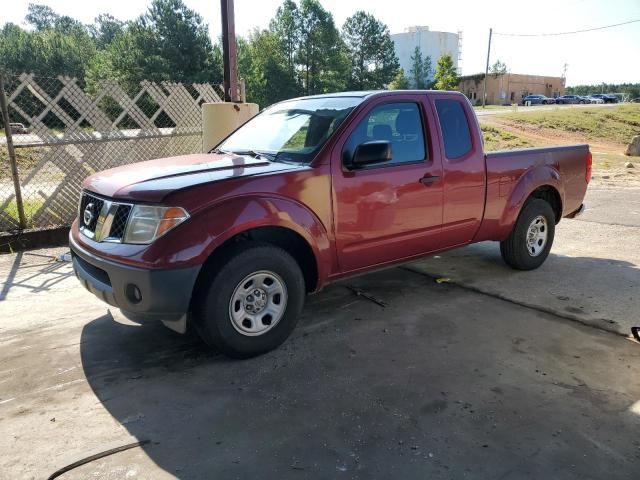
151 181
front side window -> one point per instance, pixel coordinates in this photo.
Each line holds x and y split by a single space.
456 134
400 124
292 131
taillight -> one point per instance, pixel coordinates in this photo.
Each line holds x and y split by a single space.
587 174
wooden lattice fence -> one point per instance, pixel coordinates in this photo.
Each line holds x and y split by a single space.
71 133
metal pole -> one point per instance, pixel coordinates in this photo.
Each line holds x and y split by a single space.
486 71
22 220
229 57
243 90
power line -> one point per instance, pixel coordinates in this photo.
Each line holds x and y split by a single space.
563 33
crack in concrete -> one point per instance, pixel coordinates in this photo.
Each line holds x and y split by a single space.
606 326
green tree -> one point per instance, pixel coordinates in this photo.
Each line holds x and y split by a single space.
105 28
59 46
169 42
264 66
41 17
632 89
446 77
421 70
286 27
400 81
321 55
180 38
498 68
373 59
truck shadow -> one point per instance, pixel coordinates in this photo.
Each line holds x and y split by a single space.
598 291
363 390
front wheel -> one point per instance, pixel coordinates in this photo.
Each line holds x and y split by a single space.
250 303
529 243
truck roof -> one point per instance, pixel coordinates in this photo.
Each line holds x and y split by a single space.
367 93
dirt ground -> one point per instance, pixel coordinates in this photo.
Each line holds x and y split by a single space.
453 380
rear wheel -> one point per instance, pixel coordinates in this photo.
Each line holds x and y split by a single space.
250 303
528 245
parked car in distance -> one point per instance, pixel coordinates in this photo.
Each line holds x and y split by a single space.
570 99
606 98
310 191
18 129
537 100
593 100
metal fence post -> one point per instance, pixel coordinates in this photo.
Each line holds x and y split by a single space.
243 90
12 155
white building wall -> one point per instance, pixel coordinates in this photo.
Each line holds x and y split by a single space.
432 44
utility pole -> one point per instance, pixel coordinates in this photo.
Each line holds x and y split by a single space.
486 70
229 54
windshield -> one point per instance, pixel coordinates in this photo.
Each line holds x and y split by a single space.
292 131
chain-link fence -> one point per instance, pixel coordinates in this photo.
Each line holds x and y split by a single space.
62 131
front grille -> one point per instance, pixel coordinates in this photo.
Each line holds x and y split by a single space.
101 219
119 224
90 209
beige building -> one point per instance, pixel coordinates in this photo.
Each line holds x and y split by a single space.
509 88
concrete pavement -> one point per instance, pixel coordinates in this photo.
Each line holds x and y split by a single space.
444 383
592 274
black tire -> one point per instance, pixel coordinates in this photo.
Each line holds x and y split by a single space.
544 102
212 317
514 248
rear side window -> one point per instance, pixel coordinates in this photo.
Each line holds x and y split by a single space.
455 128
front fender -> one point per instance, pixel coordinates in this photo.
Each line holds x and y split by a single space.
214 226
540 176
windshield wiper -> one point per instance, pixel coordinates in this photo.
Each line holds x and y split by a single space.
219 150
257 154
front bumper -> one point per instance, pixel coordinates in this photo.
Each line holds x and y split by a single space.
164 294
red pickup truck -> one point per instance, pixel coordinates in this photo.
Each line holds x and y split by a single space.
310 191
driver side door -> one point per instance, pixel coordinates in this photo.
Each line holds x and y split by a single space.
393 210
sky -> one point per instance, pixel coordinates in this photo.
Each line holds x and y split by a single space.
609 56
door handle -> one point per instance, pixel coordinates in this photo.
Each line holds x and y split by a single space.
429 179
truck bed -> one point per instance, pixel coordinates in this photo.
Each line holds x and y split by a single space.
510 170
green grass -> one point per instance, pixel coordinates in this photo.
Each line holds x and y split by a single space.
31 207
498 139
491 107
610 160
27 158
618 124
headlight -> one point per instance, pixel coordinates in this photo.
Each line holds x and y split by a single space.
147 223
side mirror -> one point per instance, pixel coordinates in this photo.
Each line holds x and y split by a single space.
370 153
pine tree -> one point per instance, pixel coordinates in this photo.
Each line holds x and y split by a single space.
446 77
373 59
